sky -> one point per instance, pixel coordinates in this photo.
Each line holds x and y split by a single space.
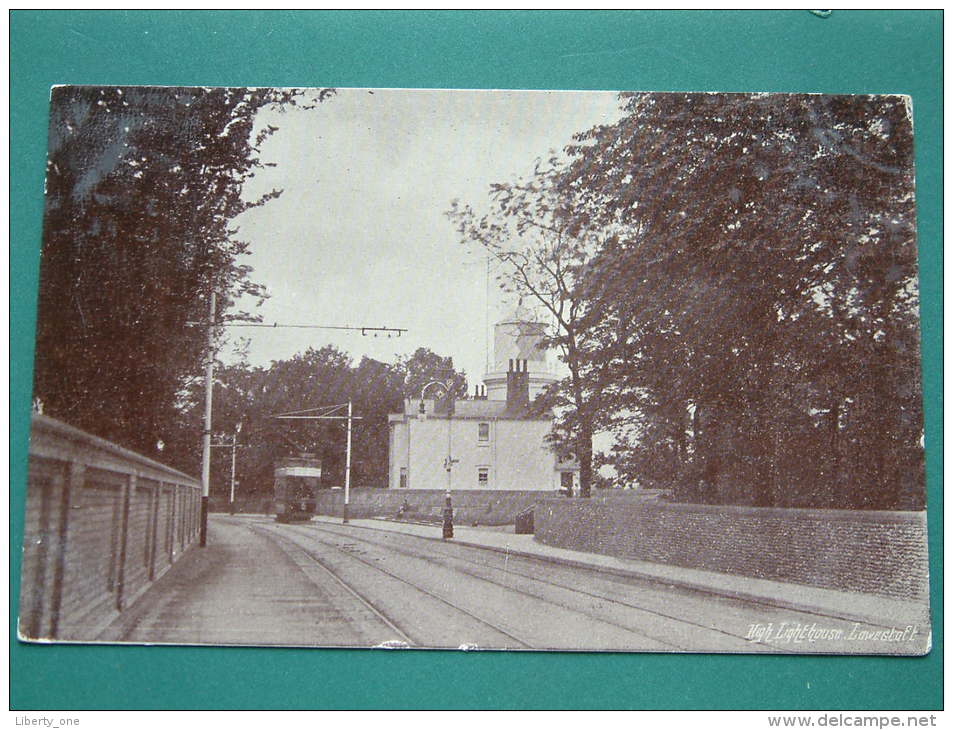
360 237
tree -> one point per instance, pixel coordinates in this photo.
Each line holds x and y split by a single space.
757 301
426 366
142 186
315 378
542 245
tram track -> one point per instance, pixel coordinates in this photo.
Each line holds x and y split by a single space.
453 562
446 560
664 645
563 586
284 542
391 622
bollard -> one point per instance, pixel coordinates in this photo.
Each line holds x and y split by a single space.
448 519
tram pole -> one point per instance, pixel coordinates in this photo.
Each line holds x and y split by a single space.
327 413
207 432
347 465
231 496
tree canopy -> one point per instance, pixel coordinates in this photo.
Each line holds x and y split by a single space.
743 284
542 254
143 184
315 378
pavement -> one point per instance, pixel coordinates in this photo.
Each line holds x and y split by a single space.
863 607
246 590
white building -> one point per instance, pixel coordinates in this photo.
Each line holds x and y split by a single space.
488 442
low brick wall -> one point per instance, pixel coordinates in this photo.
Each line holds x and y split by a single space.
882 553
470 507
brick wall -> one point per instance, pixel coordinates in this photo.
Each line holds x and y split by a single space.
881 553
97 520
470 507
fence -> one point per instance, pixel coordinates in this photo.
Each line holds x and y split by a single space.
102 523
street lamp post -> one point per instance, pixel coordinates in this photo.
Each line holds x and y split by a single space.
450 461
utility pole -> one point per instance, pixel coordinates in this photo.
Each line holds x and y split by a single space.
233 446
231 493
231 497
347 465
207 432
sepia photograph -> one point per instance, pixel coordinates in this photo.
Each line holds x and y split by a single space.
478 370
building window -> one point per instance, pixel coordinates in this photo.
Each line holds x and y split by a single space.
483 477
403 478
484 432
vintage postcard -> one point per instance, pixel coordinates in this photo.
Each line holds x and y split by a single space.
524 370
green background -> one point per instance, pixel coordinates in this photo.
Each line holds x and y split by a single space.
848 52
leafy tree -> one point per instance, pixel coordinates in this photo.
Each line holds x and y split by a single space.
142 186
426 366
754 311
542 246
315 378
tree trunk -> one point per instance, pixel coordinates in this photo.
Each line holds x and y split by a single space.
697 491
584 434
764 481
678 469
584 454
834 444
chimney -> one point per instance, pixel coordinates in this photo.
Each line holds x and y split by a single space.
517 387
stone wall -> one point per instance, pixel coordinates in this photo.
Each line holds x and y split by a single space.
881 553
470 507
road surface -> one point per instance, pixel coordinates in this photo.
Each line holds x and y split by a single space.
322 584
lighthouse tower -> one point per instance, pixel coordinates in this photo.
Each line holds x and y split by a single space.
517 337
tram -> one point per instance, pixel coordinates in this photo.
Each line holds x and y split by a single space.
297 478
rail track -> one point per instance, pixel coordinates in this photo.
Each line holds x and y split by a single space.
536 581
330 538
456 560
406 634
641 580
